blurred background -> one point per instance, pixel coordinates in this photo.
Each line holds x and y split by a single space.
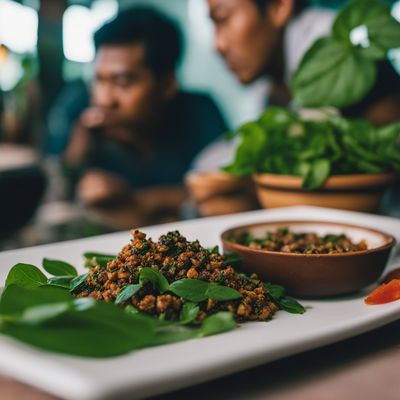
47 46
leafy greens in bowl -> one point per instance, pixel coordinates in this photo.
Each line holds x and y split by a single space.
285 142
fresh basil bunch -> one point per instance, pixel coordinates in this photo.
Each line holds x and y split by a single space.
335 71
283 142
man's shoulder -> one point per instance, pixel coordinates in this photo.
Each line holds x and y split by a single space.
194 100
192 107
198 113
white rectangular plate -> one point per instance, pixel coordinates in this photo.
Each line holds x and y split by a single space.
160 369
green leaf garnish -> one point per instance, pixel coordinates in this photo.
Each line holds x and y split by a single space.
156 278
291 305
126 293
25 275
188 313
220 322
78 281
58 268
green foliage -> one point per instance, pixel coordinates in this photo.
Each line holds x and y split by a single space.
58 268
195 290
126 293
289 304
188 313
156 278
25 275
92 259
332 74
316 149
335 71
220 322
78 282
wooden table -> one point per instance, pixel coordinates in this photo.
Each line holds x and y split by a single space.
364 367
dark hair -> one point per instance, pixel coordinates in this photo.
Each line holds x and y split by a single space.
299 5
160 36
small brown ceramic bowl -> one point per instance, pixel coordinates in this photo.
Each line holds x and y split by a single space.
314 275
358 192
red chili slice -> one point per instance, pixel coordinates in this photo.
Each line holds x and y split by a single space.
385 293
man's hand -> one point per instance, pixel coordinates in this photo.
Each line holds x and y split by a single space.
216 193
92 117
98 187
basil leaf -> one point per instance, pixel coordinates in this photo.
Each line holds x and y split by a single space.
222 293
332 74
232 259
382 30
15 299
126 293
220 322
92 259
90 254
103 330
129 309
78 282
58 268
61 281
214 250
249 151
277 119
173 333
291 305
25 275
156 278
317 175
188 313
275 291
190 289
195 290
41 313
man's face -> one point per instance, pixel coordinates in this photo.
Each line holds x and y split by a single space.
124 89
243 36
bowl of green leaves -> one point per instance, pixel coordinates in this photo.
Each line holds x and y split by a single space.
322 159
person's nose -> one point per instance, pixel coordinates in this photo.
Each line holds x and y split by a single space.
103 95
220 42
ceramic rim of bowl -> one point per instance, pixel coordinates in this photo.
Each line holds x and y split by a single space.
334 182
390 240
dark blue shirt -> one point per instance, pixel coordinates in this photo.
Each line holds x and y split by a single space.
193 121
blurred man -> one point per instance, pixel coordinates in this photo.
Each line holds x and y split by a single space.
268 38
131 147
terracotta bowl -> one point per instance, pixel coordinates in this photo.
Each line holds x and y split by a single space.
203 185
217 193
361 192
314 275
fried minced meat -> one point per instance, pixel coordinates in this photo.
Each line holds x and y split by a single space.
176 258
286 241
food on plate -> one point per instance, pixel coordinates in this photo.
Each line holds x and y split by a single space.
385 293
185 270
284 240
152 293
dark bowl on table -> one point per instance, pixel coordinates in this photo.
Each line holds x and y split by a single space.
314 275
22 184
